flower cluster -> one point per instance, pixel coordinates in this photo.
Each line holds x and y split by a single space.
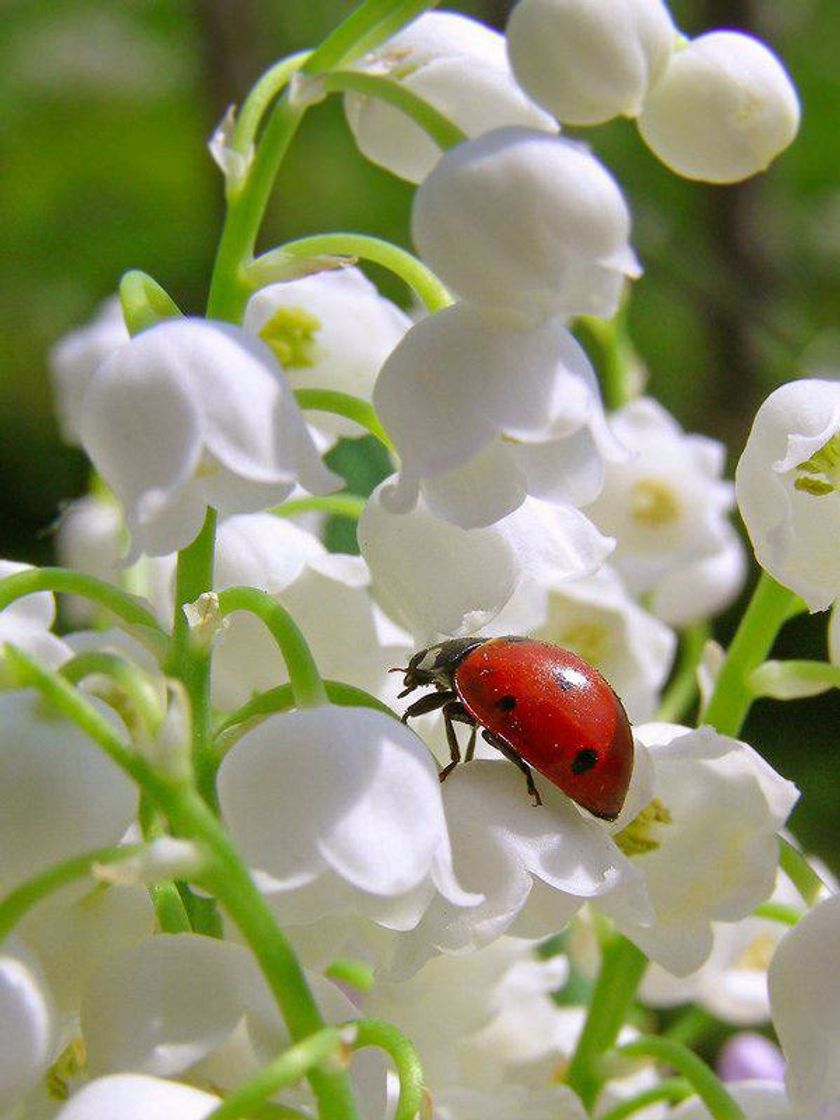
220 758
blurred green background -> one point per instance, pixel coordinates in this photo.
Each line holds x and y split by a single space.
107 107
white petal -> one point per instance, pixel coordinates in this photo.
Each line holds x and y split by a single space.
722 111
131 1096
27 1027
586 63
804 997
60 795
162 1005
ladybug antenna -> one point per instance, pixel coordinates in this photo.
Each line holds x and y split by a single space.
397 669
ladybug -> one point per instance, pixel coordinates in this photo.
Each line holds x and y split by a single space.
538 704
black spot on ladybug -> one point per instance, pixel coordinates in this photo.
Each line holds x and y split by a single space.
506 703
584 760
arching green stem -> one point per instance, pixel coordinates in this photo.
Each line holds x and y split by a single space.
778 912
672 1089
281 698
800 872
363 30
279 263
129 678
263 93
306 684
770 607
708 1087
17 904
375 1032
344 404
127 608
784 680
438 127
286 1070
682 690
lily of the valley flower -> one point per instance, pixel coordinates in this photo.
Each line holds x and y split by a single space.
27 622
338 810
706 846
459 67
134 1096
329 331
407 554
723 109
327 593
585 62
667 509
805 1001
192 413
28 1026
787 490
59 794
522 220
485 409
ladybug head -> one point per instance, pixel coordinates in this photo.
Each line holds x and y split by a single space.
437 664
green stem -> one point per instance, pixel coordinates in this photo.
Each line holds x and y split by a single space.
286 1070
128 608
140 691
344 404
304 678
333 505
189 656
229 290
682 690
275 264
264 91
281 698
709 1088
800 872
612 355
374 1032
356 974
771 605
622 968
672 1089
438 127
18 902
370 24
690 1027
230 880
778 912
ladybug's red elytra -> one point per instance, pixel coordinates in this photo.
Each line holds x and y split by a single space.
538 704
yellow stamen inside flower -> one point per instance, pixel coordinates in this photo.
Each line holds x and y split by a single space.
640 836
588 639
756 957
70 1064
820 475
653 504
290 332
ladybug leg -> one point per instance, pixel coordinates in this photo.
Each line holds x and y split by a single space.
429 703
468 757
511 754
452 711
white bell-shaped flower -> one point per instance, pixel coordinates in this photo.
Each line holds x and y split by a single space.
786 485
193 413
535 866
459 67
586 62
440 580
328 595
722 111
329 331
27 621
804 982
75 358
525 1102
595 617
758 1100
134 1096
339 810
484 409
522 220
60 795
702 588
28 1026
667 508
706 845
